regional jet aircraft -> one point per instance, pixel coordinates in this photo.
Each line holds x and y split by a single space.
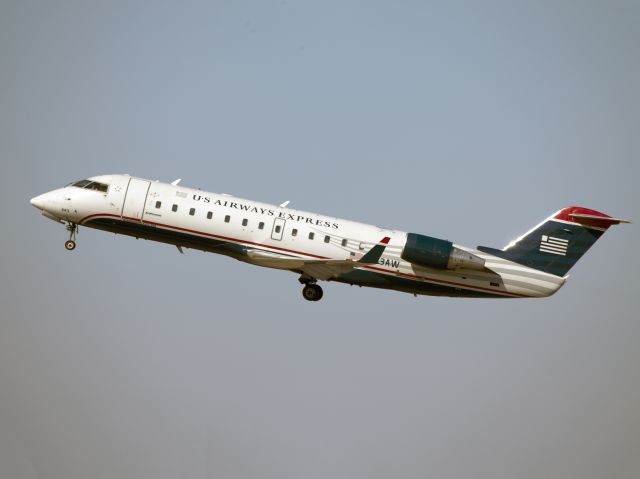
318 247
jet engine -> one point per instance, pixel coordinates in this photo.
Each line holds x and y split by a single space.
438 253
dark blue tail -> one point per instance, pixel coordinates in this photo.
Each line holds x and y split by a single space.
557 243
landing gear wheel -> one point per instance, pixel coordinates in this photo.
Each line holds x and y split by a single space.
72 228
312 292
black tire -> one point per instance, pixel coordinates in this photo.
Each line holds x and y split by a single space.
70 245
312 292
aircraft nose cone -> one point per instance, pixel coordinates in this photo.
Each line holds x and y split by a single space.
38 202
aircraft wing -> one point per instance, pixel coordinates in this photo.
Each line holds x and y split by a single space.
323 269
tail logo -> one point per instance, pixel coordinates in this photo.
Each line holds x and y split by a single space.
550 244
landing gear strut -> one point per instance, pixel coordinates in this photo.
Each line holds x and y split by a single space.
72 228
311 291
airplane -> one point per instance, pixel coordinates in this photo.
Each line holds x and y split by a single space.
323 248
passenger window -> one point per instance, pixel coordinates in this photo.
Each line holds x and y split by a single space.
294 232
261 225
158 204
209 215
344 242
192 211
311 235
174 208
227 219
278 228
245 222
326 239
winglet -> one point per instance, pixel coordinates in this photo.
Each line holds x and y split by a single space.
374 254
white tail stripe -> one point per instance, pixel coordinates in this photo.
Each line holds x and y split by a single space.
560 253
550 244
555 247
558 241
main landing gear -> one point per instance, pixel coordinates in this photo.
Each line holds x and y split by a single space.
311 290
72 228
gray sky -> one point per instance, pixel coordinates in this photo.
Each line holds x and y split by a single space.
462 120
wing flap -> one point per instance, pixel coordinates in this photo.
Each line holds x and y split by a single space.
323 269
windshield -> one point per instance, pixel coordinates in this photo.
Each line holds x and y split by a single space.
91 185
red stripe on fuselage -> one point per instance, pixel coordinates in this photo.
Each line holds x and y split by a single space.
244 242
200 233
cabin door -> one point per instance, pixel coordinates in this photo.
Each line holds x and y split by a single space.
134 199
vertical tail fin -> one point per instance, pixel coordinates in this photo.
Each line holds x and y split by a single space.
557 243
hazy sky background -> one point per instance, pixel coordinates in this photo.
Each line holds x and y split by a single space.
470 121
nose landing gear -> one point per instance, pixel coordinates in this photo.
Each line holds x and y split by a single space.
72 228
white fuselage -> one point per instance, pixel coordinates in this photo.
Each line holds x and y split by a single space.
220 223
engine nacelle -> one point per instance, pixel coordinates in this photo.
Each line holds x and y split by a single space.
438 253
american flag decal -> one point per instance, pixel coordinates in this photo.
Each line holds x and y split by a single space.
550 244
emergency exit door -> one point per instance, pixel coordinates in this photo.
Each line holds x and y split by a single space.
278 229
135 198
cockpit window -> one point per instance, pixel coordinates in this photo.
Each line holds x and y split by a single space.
94 185
81 183
91 185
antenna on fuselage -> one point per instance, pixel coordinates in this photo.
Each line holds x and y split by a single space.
284 205
175 182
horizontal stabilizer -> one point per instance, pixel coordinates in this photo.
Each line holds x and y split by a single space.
598 221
